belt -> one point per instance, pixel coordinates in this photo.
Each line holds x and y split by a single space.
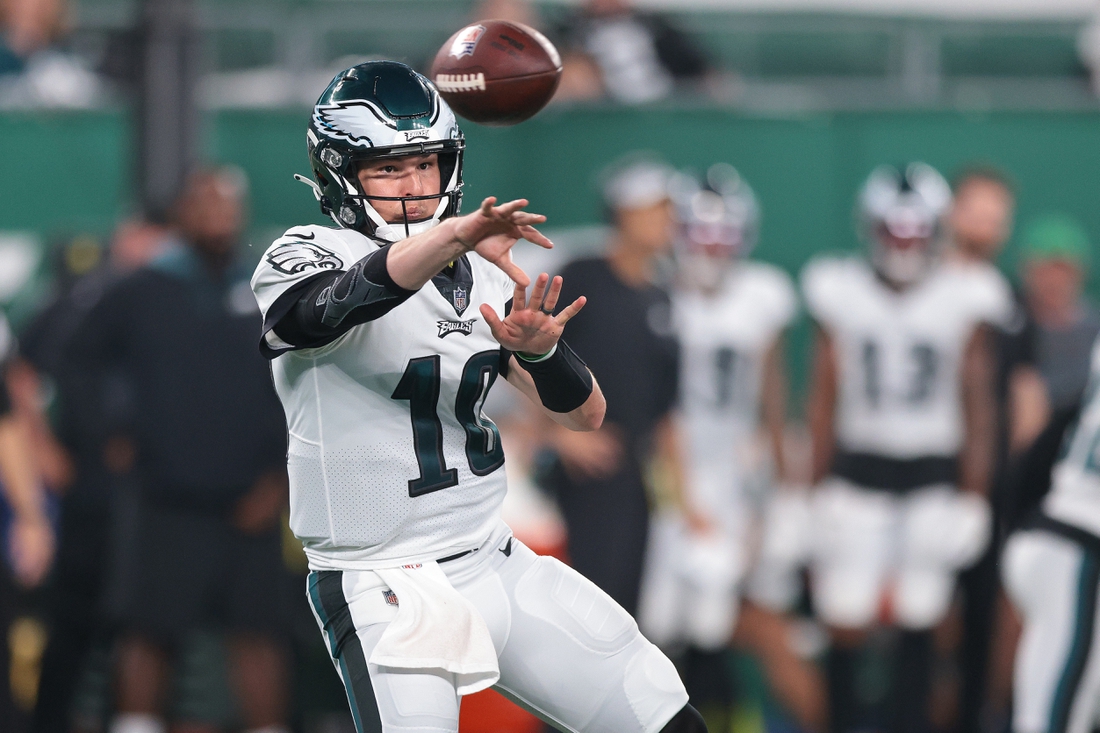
457 555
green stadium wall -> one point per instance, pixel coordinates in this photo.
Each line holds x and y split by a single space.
69 172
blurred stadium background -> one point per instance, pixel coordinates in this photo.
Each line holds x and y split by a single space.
804 97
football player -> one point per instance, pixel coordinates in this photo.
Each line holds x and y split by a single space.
901 417
1051 571
730 314
385 334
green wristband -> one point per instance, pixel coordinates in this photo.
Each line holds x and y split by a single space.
536 359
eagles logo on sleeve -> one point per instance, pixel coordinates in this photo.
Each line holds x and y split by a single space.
294 257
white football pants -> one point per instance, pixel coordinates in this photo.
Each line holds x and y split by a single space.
1053 582
868 543
567 652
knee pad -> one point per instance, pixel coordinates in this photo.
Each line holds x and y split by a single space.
688 720
562 597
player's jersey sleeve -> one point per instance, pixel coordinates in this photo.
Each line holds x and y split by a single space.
824 281
298 256
991 296
776 295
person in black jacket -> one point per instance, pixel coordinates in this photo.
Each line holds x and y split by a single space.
198 545
625 333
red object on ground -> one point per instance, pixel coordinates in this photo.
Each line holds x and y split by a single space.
490 712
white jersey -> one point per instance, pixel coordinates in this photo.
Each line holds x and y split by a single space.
724 340
899 353
391 459
1074 495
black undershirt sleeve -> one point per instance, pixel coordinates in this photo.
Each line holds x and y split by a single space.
319 310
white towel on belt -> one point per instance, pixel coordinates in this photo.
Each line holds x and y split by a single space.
436 628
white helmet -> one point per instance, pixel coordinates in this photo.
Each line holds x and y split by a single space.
900 216
718 221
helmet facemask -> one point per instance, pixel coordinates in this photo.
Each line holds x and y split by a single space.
901 219
716 226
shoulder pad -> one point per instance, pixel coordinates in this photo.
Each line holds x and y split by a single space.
307 248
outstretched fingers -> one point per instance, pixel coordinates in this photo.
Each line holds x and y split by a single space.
496 326
552 295
512 270
538 291
534 236
570 310
505 211
486 208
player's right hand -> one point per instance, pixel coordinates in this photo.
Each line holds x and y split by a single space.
492 230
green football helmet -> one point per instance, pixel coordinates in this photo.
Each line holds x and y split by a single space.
381 109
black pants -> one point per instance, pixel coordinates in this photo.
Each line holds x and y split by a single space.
73 603
607 522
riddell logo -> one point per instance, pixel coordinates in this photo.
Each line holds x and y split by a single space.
448 327
466 41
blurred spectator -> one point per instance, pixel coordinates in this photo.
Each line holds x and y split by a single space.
30 541
631 56
34 72
625 335
980 223
981 214
1055 253
199 541
28 26
71 461
515 11
1088 50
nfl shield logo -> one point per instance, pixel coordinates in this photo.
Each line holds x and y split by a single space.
390 596
459 298
466 41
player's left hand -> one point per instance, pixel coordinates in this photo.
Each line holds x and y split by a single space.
531 327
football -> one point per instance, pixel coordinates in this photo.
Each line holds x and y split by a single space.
496 72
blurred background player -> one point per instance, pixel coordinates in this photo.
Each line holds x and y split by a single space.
199 544
626 335
1052 573
729 315
901 419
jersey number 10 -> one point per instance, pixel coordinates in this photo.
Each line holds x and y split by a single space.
419 385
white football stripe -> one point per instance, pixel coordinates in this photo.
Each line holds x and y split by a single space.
460 82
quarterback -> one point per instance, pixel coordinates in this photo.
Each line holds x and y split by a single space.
386 334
